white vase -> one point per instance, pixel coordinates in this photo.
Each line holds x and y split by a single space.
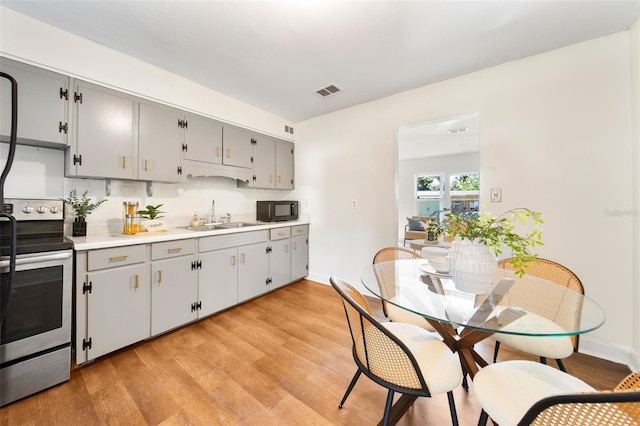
472 265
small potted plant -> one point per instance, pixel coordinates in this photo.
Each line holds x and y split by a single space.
479 238
82 207
151 216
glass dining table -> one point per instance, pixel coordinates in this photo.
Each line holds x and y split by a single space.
527 305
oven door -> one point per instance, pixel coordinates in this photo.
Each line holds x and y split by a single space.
39 314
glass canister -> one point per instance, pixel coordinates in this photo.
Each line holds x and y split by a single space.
131 217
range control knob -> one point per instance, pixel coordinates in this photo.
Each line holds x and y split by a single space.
41 209
54 209
27 209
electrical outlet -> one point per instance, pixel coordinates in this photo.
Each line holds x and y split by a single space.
496 195
354 204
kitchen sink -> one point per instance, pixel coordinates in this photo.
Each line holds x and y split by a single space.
215 226
234 225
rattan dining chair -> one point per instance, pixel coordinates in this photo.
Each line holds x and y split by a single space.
530 393
393 312
401 357
544 347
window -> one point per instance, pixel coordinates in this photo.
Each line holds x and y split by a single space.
461 195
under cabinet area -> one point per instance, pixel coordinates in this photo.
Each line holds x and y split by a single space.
43 98
127 294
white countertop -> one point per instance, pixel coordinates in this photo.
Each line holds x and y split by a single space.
98 241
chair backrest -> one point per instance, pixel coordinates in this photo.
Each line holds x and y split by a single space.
388 254
394 253
551 271
620 407
375 348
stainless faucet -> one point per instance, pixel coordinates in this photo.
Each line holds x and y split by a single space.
211 217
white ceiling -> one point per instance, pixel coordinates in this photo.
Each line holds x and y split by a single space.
276 54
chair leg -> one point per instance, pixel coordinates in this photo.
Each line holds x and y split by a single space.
387 408
350 388
482 421
561 365
496 348
452 409
465 383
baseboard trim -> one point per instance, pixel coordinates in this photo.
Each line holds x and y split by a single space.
610 351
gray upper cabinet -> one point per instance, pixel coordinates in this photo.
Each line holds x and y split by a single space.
104 141
237 147
160 134
284 164
264 167
273 163
42 105
202 139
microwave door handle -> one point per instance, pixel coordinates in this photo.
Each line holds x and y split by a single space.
270 216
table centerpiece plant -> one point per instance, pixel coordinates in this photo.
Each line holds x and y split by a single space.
82 207
485 235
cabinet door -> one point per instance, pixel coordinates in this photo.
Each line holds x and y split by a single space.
159 143
218 280
42 105
105 142
264 165
284 165
117 309
253 270
203 139
237 147
299 257
173 291
280 262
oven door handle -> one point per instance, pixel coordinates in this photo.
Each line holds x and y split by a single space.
37 259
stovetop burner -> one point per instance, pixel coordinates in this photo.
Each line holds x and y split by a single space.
40 225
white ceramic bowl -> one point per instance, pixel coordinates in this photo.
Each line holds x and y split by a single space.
439 263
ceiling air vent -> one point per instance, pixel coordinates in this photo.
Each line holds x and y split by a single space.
329 90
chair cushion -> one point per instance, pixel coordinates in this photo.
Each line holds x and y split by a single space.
402 315
415 224
506 390
551 347
439 366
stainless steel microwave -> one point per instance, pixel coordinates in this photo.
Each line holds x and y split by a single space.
276 211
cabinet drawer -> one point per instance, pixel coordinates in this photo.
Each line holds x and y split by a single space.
112 257
280 233
172 249
218 242
299 230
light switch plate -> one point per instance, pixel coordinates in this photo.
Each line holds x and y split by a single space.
496 195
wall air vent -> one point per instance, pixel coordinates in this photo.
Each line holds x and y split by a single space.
458 130
329 90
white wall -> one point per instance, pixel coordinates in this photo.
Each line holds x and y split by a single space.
635 135
554 131
408 169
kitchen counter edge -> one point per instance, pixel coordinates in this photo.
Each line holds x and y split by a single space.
99 241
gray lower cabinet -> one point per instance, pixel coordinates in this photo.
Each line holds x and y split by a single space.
280 257
42 105
174 295
299 252
127 294
112 300
104 143
217 280
245 259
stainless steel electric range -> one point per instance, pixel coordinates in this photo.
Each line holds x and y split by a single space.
35 332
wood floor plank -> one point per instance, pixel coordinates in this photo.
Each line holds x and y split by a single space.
281 359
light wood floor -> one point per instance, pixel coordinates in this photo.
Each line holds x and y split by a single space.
282 359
